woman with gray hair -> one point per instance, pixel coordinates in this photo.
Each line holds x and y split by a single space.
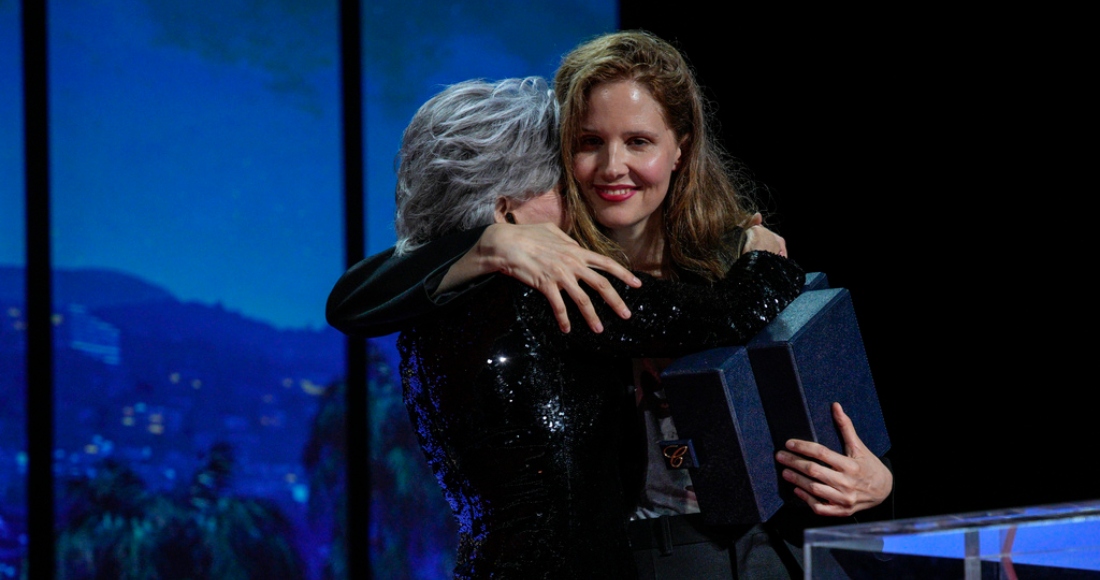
525 427
470 147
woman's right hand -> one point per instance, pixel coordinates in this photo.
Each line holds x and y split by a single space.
547 259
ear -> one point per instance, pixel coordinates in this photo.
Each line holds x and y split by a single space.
679 151
502 208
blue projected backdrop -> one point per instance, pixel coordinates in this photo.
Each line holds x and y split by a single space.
196 212
13 458
196 232
413 49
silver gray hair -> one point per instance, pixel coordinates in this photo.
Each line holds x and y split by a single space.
469 145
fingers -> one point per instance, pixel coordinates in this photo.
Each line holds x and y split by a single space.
544 257
560 312
834 484
602 287
839 494
564 274
592 262
615 269
606 291
827 473
828 492
853 445
808 449
570 273
778 244
759 237
823 508
584 304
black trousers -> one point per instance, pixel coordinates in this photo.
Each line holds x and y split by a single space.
684 548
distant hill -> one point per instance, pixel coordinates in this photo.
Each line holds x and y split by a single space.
94 288
152 331
149 314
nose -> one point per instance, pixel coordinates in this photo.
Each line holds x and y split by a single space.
612 162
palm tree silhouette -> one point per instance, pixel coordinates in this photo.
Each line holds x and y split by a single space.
113 527
412 531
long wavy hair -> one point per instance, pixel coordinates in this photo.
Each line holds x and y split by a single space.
703 213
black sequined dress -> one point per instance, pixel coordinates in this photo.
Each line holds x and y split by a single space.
526 428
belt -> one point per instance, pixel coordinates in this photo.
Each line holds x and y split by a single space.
664 532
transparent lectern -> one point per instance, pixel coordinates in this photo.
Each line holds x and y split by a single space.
1045 542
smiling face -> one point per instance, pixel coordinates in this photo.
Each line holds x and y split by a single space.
624 158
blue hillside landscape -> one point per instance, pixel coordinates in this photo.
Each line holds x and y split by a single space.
145 380
155 395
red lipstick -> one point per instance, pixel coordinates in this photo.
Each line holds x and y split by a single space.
615 192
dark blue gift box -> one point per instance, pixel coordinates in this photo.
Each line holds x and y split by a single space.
810 356
714 400
738 405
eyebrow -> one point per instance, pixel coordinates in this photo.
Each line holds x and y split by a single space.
631 132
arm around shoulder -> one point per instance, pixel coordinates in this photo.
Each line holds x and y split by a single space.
674 318
384 293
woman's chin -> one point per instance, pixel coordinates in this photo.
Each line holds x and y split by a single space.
621 226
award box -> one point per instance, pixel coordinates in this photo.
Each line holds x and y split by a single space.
736 406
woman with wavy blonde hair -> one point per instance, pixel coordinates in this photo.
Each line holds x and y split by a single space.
703 208
652 189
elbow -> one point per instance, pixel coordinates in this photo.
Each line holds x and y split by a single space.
336 312
332 316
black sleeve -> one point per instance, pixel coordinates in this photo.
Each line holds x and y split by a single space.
670 319
384 293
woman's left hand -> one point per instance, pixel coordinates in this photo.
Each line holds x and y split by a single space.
758 237
845 484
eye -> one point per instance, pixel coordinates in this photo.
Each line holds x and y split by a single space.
637 141
588 142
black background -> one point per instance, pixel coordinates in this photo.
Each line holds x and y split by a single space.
933 163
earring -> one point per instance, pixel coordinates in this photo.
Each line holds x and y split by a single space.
510 217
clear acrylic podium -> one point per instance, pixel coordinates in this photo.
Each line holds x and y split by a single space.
1056 541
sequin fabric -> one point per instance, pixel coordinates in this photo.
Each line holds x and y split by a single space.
527 429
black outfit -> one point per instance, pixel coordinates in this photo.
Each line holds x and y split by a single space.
527 428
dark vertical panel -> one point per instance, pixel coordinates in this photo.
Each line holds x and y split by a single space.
358 469
906 152
40 512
